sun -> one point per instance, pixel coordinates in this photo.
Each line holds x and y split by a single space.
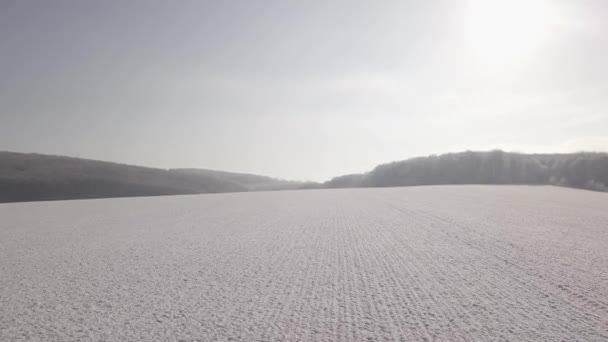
502 34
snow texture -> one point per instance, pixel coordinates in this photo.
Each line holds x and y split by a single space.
438 263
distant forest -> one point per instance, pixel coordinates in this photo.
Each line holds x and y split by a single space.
577 170
35 177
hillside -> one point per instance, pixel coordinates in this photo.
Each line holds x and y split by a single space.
245 180
34 177
577 170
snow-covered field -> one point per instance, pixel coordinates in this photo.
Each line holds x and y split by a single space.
442 263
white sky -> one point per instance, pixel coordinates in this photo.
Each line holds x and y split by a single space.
301 89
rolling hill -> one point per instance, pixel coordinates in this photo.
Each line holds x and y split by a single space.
585 170
34 177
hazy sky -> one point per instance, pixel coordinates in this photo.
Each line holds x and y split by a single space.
301 89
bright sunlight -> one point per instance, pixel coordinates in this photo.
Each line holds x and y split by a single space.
505 34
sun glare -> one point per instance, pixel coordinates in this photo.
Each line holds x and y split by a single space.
504 34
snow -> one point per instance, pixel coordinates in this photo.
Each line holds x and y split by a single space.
438 263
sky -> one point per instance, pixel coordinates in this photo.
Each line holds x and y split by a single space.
302 90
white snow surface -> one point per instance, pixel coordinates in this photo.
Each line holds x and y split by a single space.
437 263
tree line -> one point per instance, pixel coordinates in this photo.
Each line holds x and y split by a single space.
585 170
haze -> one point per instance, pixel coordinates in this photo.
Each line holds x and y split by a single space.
301 90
